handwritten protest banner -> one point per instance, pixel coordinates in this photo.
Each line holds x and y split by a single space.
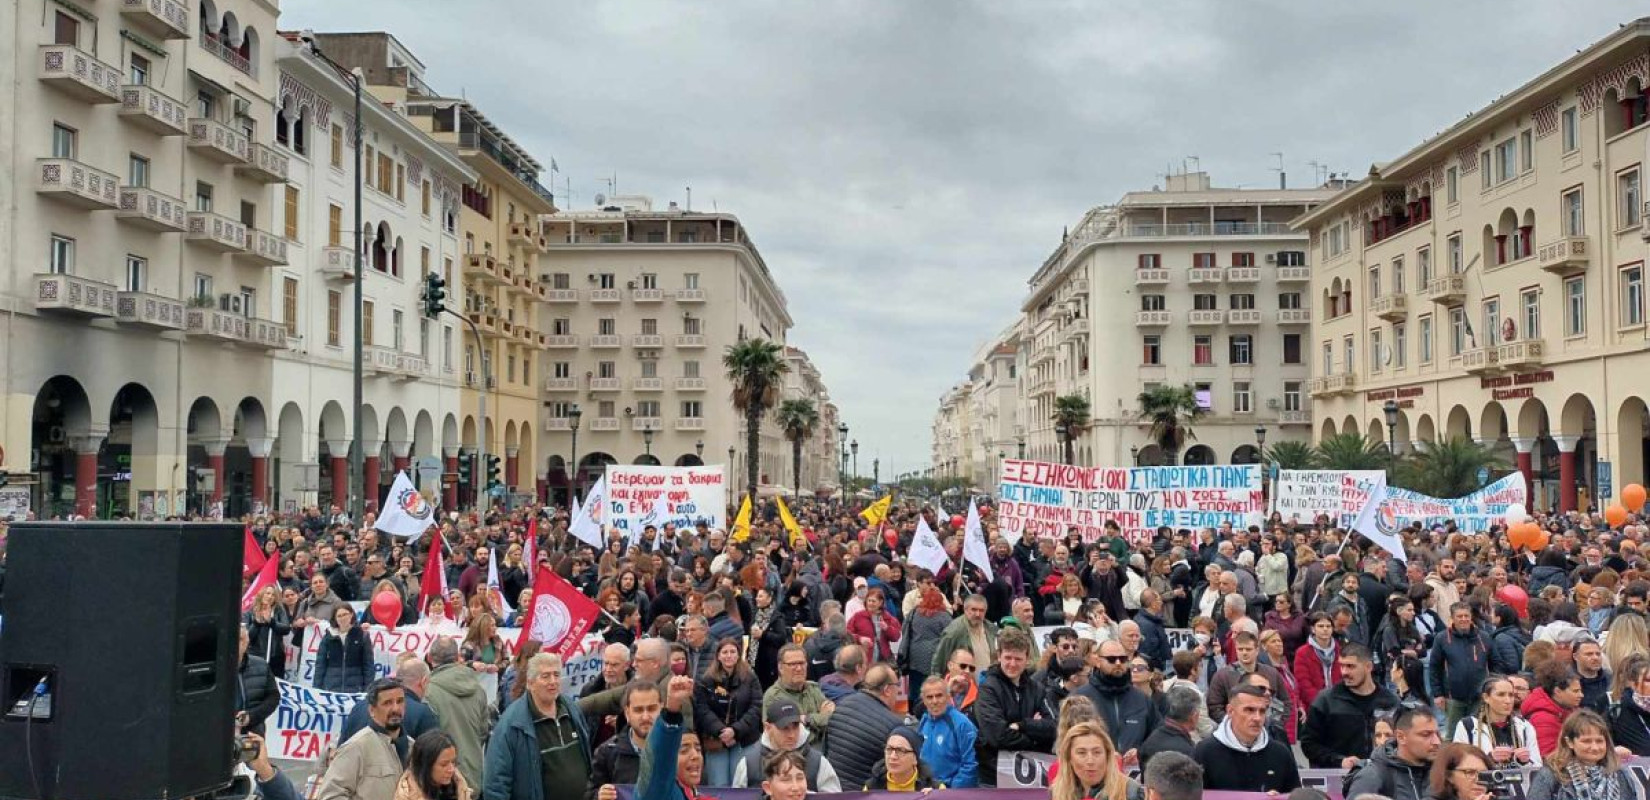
307 722
642 495
388 644
1051 499
1300 495
1474 512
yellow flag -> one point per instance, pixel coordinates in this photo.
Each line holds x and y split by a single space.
798 541
742 521
876 512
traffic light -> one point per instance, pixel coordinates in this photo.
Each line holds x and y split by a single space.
435 295
493 472
464 468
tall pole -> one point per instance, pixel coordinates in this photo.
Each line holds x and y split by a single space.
357 454
575 414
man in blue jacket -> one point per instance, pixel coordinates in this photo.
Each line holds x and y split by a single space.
540 748
1459 662
947 738
1154 636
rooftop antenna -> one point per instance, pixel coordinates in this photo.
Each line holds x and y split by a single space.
612 183
1283 177
1196 163
689 206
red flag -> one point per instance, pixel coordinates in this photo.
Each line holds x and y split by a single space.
267 576
435 579
252 556
530 548
560 615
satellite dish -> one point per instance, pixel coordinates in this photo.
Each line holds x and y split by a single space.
601 200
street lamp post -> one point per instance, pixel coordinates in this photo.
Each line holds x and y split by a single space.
1391 409
735 481
647 439
573 415
1134 454
1260 448
855 448
876 470
842 447
699 449
1022 445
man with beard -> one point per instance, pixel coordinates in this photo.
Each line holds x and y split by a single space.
1130 715
619 759
368 765
1340 725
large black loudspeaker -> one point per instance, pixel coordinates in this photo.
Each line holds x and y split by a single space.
117 660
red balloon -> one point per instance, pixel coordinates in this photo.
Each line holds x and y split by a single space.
386 608
957 521
1514 596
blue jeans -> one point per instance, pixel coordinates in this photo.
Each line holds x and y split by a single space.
719 766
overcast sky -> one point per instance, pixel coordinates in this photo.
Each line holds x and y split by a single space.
905 165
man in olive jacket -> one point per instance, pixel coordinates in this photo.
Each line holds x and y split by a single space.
962 633
455 695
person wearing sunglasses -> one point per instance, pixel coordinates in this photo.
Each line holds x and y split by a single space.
1129 714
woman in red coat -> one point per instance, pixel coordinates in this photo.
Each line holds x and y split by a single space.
1557 694
1317 664
875 628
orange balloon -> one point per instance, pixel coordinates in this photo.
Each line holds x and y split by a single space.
1516 534
1541 539
1615 514
1633 496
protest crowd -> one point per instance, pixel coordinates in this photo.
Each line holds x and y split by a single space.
804 650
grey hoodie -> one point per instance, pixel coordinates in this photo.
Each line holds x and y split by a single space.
1390 776
456 697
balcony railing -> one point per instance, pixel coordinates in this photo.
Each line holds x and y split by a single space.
1153 319
1294 316
1447 290
1295 417
605 295
1337 384
168 19
561 295
1206 317
1151 277
555 423
1390 307
482 267
1150 231
266 165
1080 287
146 107
1294 275
1243 316
218 141
604 424
1481 361
1197 275
146 208
690 341
604 384
690 423
264 249
646 424
265 334
216 325
72 294
606 341
647 340
561 384
471 140
143 310
690 384
412 366
80 185
78 74
1521 355
1567 256
1077 328
561 341
228 55
690 295
216 232
647 296
647 384
338 263
1243 274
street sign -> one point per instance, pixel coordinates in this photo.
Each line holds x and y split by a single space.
1606 484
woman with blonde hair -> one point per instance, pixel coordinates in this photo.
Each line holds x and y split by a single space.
267 627
1583 766
1629 634
1091 768
481 648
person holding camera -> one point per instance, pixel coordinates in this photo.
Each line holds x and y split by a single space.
1583 766
1458 773
272 784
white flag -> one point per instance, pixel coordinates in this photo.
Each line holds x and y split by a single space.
926 550
1373 520
405 512
495 589
974 549
587 524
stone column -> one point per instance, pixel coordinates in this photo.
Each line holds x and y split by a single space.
449 491
511 463
1567 472
260 449
215 449
340 471
542 487
371 467
86 446
402 454
1524 453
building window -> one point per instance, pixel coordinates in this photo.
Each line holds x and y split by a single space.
1571 127
1291 258
1205 302
1530 302
398 338
650 327
647 408
561 280
424 198
1240 349
65 29
1457 331
562 369
1570 205
1575 307
606 326
401 183
1240 398
650 280
203 196
1328 359
137 171
1526 151
604 280
1627 199
203 285
1150 260
1152 302
692 409
1485 179
690 280
1632 295
424 338
1452 184
366 322
137 71
510 368
337 146
1455 265
1424 331
1400 345
60 255
690 369
1152 347
292 213
1423 267
650 368
335 226
1398 275
1492 319
64 141
1292 352
691 326
1205 395
561 326
1349 354
1374 282
289 304
1203 350
1291 395
335 312
447 348
137 273
1242 302
1377 358
1203 260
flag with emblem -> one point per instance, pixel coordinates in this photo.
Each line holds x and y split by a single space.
798 539
252 556
407 512
559 615
876 512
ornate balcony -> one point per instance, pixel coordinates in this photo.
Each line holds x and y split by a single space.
1243 274
604 384
605 295
690 384
604 424
690 295
1341 383
1447 290
690 423
266 164
1205 317
561 341
560 295
1075 329
690 341
1294 316
604 341
1151 277
555 423
1243 316
1390 307
646 424
647 340
146 107
1293 275
1481 361
338 263
1297 417
168 19
265 334
412 367
380 360
1205 275
1153 319
216 232
264 249
1567 256
561 384
647 296
215 325
482 267
142 207
218 141
647 384
144 310
523 234
80 185
72 294
1080 287
76 73
1519 356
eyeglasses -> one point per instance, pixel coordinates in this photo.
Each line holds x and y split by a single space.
969 667
899 751
1473 773
1114 659
1140 668
794 664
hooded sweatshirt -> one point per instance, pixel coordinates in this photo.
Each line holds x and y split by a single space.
1390 776
456 697
1264 766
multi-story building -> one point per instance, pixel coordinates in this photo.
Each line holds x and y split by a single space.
1490 282
500 242
819 464
1183 285
410 197
979 423
953 432
140 205
642 305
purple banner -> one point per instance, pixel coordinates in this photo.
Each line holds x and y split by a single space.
712 793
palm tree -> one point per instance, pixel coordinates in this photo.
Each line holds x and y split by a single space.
1072 413
799 419
1352 451
756 368
1447 468
1292 455
1171 411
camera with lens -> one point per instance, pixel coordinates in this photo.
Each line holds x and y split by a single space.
1500 782
246 748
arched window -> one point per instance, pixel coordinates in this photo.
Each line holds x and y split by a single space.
209 20
395 258
300 132
283 122
381 248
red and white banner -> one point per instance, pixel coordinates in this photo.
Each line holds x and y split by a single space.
559 617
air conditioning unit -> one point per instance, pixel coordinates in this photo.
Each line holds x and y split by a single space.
1273 403
687 315
242 107
647 355
630 284
230 303
469 378
1271 258
591 277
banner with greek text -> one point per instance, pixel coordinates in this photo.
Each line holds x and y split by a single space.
1051 499
1300 495
1473 513
387 644
638 496
307 722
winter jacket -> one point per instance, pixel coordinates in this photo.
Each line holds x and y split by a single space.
1546 716
722 627
1341 723
1308 666
699 658
615 761
855 736
513 766
1545 785
1595 692
918 642
1271 769
1476 733
948 748
1630 725
808 699
1507 653
407 789
1388 775
1458 664
821 649
863 627
267 640
256 692
732 702
1292 631
835 686
821 775
366 766
1544 576
345 665
459 702
1359 630
1230 677
956 637
1154 639
1130 715
656 778
1002 703
878 782
1166 739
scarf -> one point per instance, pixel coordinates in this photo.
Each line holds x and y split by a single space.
1326 657
1642 701
1225 736
764 617
1592 783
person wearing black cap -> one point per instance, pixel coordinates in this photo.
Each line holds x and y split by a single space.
901 768
782 732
